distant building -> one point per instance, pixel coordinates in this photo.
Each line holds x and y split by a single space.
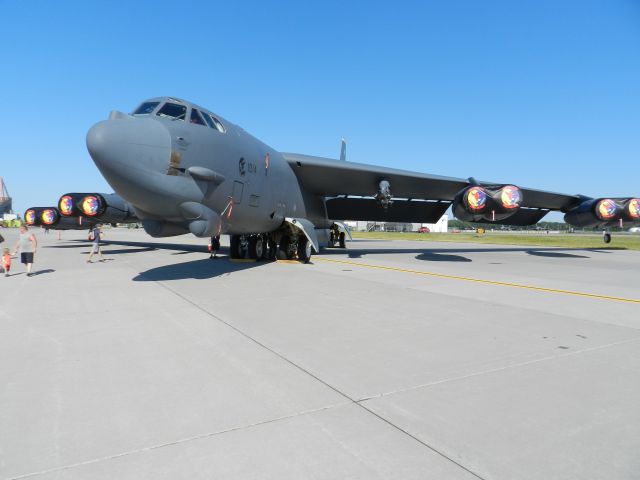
441 225
5 199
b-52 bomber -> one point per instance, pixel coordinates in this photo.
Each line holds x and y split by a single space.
182 168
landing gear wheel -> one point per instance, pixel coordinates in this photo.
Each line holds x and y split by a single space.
256 247
332 240
234 247
342 240
304 249
607 238
271 250
284 250
239 248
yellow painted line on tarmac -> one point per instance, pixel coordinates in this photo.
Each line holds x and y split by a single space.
289 261
480 280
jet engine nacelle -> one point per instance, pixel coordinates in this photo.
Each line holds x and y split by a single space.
482 204
604 212
49 217
107 208
33 216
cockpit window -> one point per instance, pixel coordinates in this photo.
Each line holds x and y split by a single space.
195 117
213 122
146 108
207 119
173 110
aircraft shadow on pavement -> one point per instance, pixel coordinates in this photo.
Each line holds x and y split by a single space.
449 254
441 257
144 246
107 251
539 253
160 246
197 269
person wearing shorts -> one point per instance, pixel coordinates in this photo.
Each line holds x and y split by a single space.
94 237
27 244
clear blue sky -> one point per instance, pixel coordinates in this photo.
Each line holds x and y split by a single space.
538 93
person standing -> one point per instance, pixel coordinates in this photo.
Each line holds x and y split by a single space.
27 244
214 246
94 236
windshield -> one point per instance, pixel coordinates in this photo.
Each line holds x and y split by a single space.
146 108
172 110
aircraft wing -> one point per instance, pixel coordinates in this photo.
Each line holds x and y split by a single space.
428 196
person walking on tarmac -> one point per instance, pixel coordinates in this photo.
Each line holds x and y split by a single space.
214 246
94 237
27 244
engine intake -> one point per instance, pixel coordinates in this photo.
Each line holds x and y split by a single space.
479 203
604 212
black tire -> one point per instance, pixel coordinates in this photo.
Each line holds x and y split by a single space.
607 238
304 249
270 252
256 247
342 240
283 249
234 247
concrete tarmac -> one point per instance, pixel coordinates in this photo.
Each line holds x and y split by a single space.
388 360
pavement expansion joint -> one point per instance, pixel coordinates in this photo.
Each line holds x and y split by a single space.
176 442
506 367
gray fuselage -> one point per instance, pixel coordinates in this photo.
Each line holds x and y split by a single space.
165 165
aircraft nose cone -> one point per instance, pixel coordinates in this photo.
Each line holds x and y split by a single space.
132 154
130 143
98 142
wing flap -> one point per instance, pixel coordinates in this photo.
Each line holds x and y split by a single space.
398 211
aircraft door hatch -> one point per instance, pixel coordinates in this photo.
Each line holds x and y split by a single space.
238 189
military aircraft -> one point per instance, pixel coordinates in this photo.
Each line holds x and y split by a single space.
183 168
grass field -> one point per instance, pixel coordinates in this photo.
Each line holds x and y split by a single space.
619 241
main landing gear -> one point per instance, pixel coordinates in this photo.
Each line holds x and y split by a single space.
282 245
606 236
